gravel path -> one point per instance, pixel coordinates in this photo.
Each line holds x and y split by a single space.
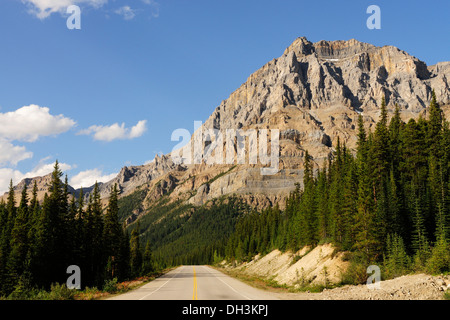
410 287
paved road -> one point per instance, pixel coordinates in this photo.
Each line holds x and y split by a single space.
195 283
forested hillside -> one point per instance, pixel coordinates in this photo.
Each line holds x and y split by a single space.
389 203
183 234
40 241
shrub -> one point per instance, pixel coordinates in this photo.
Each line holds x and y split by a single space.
23 290
60 292
396 261
111 286
420 259
356 272
447 295
89 293
439 261
295 258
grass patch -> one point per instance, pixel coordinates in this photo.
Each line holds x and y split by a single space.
255 281
271 285
61 292
447 295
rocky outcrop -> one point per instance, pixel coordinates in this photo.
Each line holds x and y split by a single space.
43 186
313 95
132 177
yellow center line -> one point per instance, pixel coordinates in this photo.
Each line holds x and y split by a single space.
194 295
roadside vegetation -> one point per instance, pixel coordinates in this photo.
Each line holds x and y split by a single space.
61 292
386 203
38 241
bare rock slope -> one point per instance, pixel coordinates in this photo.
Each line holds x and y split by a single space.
312 94
321 266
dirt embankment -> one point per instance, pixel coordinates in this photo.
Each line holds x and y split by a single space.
319 266
409 287
323 266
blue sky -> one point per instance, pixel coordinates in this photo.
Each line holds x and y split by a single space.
112 93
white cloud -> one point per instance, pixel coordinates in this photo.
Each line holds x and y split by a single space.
27 124
45 168
89 177
138 130
155 7
116 131
30 122
6 174
44 8
126 12
12 154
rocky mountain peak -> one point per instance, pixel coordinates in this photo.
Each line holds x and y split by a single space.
313 94
340 49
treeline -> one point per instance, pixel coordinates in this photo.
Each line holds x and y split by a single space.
39 241
184 234
389 201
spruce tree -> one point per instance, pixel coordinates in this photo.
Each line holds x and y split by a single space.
147 265
322 205
336 208
112 234
364 221
419 238
135 253
19 241
434 135
5 241
307 207
98 256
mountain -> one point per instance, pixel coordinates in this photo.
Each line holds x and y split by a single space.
313 95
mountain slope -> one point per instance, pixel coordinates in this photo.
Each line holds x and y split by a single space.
312 94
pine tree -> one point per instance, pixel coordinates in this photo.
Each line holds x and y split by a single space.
98 256
112 234
380 146
350 203
3 244
336 196
364 224
80 248
147 265
123 261
307 207
135 253
396 261
397 220
322 205
19 241
56 213
419 238
88 226
41 247
5 241
434 135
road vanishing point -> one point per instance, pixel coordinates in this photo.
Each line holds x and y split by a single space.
195 283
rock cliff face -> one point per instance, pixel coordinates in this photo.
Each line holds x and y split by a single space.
43 186
312 94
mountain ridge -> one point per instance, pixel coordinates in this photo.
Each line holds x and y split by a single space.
313 94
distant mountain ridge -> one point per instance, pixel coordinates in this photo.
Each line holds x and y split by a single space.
313 94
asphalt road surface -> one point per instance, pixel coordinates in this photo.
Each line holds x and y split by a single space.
195 283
